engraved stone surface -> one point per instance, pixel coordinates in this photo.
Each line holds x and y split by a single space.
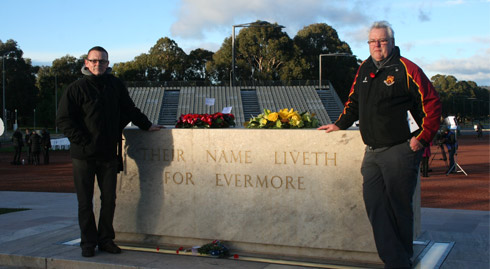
292 193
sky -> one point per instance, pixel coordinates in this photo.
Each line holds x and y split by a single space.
447 37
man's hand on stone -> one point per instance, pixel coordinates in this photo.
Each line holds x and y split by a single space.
156 128
329 128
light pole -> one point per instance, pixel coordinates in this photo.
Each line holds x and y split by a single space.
320 64
15 125
55 102
250 24
4 111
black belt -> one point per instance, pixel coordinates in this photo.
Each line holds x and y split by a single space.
379 147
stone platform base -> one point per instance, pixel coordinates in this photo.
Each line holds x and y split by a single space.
288 193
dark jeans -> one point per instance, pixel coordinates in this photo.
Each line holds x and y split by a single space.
425 166
84 172
35 157
390 177
452 164
17 152
46 155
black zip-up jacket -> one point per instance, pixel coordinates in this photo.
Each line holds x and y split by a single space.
92 113
380 99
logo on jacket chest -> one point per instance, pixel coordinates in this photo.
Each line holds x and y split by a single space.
390 80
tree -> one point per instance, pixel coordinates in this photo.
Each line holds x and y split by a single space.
463 98
196 65
135 70
320 38
219 68
54 79
166 61
21 92
262 50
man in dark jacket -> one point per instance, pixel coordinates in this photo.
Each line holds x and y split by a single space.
398 111
28 144
18 143
35 142
45 145
91 113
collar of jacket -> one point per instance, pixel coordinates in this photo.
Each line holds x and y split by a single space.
87 72
395 54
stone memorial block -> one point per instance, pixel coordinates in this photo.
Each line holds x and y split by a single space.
293 193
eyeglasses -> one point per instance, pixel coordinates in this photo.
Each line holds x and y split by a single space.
94 61
381 41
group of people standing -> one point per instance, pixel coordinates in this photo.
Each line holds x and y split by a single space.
37 142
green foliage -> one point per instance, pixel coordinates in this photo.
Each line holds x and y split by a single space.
54 79
320 38
263 52
166 61
219 68
20 89
463 98
262 49
196 65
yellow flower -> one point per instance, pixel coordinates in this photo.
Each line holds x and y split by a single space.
294 114
273 116
283 113
295 120
263 122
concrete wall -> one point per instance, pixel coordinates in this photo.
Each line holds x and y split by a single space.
295 193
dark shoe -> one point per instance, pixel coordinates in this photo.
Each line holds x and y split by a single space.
110 247
88 252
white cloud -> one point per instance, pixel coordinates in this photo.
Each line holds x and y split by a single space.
475 68
197 17
455 2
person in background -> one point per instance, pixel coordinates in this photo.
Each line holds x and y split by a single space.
425 161
398 111
18 144
449 139
45 145
92 114
27 140
479 130
35 141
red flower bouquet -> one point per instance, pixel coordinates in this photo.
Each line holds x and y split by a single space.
216 120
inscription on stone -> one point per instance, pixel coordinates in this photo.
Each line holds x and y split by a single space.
284 192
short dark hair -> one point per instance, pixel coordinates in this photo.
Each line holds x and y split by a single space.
98 48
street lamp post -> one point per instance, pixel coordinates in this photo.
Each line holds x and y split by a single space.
15 125
55 102
320 64
250 24
4 111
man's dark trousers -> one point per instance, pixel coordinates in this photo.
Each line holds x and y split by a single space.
390 177
84 173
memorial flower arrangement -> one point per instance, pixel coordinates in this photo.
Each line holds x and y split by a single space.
215 249
284 119
216 120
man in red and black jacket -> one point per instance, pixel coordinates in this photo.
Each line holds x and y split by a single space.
398 111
